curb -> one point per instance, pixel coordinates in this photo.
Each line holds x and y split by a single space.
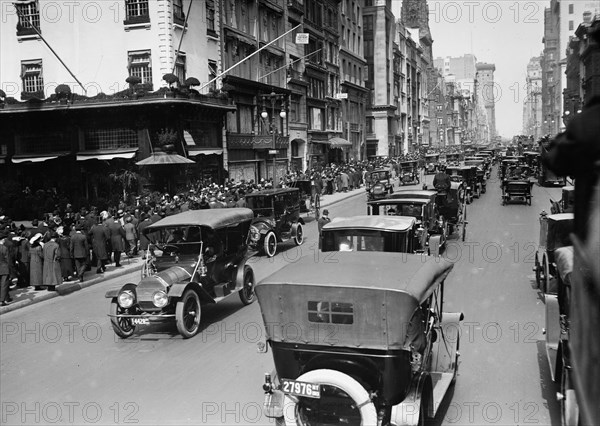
68 288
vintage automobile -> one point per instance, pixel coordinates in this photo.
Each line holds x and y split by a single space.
371 346
482 172
309 202
505 165
420 204
532 159
452 207
380 184
566 204
431 163
468 175
547 177
517 184
276 219
554 234
370 233
409 172
199 258
453 159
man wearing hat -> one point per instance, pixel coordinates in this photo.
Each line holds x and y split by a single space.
80 251
323 220
4 270
52 272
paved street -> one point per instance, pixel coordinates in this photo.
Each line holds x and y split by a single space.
62 364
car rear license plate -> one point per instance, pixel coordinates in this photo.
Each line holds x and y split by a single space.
140 321
293 387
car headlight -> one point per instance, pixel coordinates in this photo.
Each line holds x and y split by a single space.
254 233
126 299
160 299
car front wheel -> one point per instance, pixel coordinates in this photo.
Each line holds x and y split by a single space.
247 294
299 237
121 326
187 314
270 244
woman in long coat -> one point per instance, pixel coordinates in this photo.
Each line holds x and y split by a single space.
52 274
36 262
66 262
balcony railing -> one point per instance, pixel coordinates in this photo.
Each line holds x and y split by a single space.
245 141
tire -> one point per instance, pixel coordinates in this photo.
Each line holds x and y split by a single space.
121 326
545 279
529 200
299 238
341 381
456 355
270 244
538 272
187 314
569 409
464 231
247 295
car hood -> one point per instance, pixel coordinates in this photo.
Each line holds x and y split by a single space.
161 281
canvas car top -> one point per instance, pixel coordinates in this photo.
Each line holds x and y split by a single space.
215 218
386 223
273 191
559 217
413 193
414 274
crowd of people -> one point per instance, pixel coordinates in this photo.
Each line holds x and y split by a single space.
70 241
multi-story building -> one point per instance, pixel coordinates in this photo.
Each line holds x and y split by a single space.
583 66
487 93
378 31
354 94
82 121
400 102
532 104
462 67
570 14
551 71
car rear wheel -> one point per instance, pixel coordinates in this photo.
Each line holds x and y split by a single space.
187 314
538 272
569 409
247 294
299 237
343 401
121 326
270 244
545 278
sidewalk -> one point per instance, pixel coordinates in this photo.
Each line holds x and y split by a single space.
28 296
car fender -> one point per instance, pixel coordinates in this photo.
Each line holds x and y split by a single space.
407 412
177 290
435 242
263 226
110 294
294 229
239 275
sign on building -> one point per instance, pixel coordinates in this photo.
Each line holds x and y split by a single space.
302 38
341 96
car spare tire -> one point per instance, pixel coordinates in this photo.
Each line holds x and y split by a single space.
343 401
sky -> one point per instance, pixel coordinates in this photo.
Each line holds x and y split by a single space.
507 33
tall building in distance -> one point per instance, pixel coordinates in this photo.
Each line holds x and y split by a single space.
532 105
551 78
487 93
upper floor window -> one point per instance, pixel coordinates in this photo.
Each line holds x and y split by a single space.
29 17
212 74
210 17
368 23
178 15
180 66
571 9
570 25
136 11
140 65
31 75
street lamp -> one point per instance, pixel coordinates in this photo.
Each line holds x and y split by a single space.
273 97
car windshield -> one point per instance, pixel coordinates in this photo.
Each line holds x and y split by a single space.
262 206
379 175
186 238
365 240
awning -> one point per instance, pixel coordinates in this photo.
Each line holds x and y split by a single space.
206 151
16 159
339 142
163 158
105 155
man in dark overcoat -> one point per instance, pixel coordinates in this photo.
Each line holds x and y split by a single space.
117 239
80 251
144 241
100 235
